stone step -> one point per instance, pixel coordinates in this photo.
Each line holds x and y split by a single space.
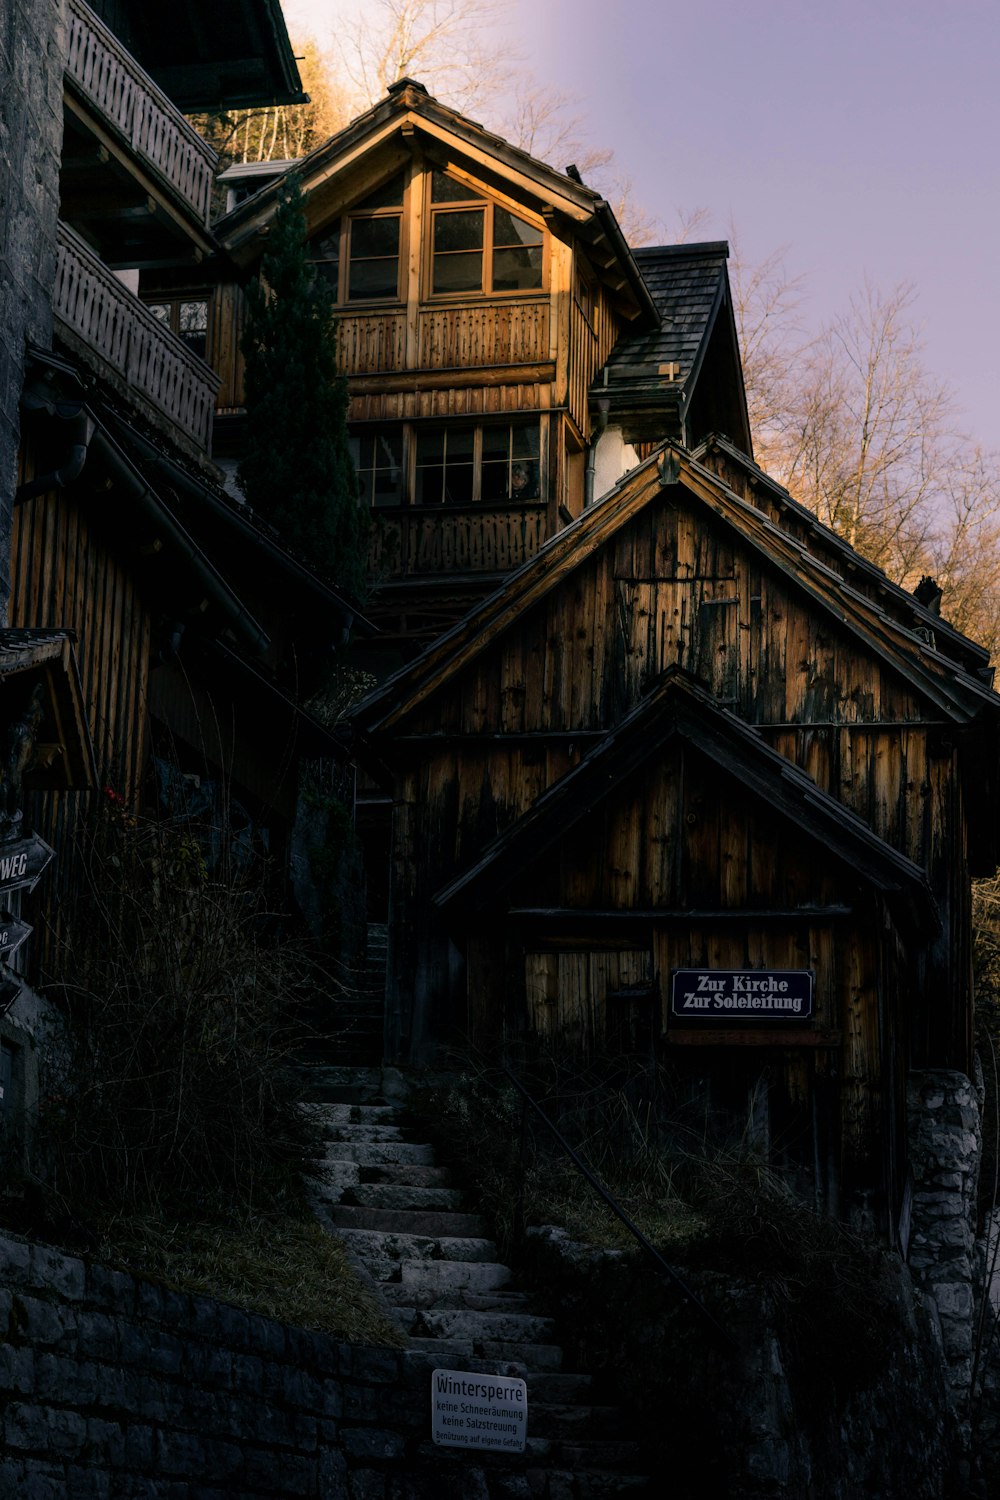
452 1275
574 1423
450 1353
592 1484
339 1115
337 1175
535 1356
487 1327
405 1296
362 1134
433 1223
378 1154
404 1174
406 1247
387 1195
431 1357
559 1390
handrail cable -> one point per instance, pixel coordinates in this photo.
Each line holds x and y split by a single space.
620 1213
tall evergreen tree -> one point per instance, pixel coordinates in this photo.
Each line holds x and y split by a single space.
297 472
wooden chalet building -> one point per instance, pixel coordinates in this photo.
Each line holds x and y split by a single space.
174 638
664 768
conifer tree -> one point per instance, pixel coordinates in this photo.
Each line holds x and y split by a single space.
297 472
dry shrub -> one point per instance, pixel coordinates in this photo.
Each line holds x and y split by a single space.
173 1088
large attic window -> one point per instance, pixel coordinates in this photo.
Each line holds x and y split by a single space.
477 246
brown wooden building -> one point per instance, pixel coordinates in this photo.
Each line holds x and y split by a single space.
197 636
697 747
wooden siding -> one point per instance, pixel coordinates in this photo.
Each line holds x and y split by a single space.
108 76
591 341
370 343
63 575
484 332
127 339
228 314
442 403
454 541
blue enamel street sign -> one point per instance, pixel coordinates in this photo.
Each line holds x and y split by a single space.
726 995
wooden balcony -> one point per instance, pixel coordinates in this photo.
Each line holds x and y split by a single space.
497 333
419 541
125 98
128 340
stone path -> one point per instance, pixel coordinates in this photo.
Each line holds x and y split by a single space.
439 1276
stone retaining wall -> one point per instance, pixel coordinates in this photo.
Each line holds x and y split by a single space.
112 1387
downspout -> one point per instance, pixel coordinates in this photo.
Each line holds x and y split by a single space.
600 425
81 428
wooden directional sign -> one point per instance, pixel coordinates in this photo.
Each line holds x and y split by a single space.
12 934
22 862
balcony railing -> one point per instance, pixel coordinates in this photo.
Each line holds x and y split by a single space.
111 79
91 301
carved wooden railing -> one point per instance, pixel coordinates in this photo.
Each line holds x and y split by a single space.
445 539
91 301
109 77
500 332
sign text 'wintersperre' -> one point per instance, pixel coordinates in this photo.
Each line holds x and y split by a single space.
479 1411
724 995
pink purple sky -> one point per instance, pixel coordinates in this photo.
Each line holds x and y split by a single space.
863 139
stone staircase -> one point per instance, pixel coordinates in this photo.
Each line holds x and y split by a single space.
347 1029
439 1276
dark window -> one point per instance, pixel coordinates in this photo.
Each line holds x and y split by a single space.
378 459
186 317
324 257
374 232
464 465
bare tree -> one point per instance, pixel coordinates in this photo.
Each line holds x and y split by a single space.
449 45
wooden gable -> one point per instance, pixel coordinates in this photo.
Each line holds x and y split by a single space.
673 570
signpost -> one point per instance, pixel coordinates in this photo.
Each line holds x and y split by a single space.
724 996
22 863
488 1412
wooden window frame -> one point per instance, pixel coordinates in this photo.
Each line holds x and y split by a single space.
175 300
488 204
410 432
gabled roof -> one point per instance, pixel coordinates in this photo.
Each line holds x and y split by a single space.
958 695
905 605
690 286
678 709
409 109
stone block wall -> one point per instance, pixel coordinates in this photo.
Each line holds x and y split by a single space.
32 45
112 1387
945 1151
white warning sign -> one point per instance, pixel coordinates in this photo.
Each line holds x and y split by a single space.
479 1411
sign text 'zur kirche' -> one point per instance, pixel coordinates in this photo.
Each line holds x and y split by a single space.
725 995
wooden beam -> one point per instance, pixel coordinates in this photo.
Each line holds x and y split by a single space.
793 1037
443 380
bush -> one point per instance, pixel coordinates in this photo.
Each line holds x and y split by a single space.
173 1086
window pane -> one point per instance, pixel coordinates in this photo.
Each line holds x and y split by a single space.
524 439
496 444
160 311
458 483
445 189
430 445
375 236
387 447
390 195
494 482
429 485
374 278
462 230
524 480
458 273
327 248
517 270
510 230
461 441
194 317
